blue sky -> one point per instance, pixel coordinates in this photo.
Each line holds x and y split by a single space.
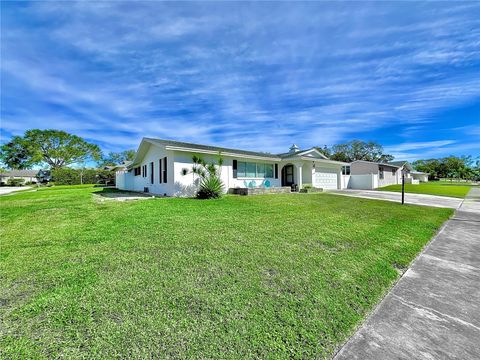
257 76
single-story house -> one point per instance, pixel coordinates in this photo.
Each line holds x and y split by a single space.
370 175
28 176
158 168
420 176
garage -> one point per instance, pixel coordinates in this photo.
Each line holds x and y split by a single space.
326 178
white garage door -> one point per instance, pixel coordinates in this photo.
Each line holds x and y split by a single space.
325 178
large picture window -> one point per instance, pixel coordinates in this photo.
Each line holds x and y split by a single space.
254 170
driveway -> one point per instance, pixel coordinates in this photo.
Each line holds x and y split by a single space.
433 312
9 189
415 199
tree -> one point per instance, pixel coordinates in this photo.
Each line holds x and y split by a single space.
359 150
211 185
324 150
53 147
115 158
17 154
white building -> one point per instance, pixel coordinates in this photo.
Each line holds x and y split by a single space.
158 168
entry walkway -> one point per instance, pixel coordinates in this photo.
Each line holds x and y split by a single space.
415 199
433 312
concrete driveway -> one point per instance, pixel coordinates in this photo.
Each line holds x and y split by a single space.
415 199
9 189
433 312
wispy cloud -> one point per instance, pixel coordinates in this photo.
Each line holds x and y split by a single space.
250 75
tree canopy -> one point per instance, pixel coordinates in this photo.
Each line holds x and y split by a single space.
450 167
356 150
53 147
115 158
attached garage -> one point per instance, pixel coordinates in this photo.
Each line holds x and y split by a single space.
326 178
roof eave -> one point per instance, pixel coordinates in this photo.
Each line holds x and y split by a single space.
219 152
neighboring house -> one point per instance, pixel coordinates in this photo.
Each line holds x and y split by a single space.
25 175
158 164
420 176
119 167
371 175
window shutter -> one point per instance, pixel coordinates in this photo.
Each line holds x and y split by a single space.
235 168
165 169
152 169
160 174
276 171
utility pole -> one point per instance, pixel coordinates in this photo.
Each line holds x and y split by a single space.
403 187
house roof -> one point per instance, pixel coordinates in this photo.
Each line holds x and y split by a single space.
310 154
378 163
181 144
20 173
401 163
418 173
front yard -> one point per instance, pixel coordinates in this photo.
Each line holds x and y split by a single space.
440 188
283 276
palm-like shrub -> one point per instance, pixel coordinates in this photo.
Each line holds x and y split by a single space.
210 186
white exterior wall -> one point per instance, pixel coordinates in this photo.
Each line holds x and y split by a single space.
364 182
187 185
421 177
138 183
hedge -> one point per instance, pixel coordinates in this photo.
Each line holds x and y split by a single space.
68 176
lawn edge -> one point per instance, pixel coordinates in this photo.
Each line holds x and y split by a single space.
389 290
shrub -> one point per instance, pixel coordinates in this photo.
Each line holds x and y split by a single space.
68 176
15 182
211 186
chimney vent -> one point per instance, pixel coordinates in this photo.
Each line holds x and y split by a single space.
294 148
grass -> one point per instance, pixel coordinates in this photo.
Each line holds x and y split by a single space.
441 188
273 276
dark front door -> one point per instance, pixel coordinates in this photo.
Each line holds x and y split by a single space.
287 175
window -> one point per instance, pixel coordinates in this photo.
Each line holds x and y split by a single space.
151 172
241 169
380 171
269 170
394 171
346 170
253 170
276 171
261 170
136 171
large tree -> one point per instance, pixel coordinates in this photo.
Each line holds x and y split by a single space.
115 158
359 150
53 147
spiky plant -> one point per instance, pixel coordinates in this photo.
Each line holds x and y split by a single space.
211 185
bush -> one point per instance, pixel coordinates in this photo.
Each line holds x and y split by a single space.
15 182
68 176
211 187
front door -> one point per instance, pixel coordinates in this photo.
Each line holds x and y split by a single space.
287 175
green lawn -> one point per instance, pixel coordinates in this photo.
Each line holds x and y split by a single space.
273 276
440 188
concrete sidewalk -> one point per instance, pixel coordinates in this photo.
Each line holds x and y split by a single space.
415 199
433 312
4 190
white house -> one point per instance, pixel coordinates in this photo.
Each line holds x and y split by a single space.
27 176
371 175
420 176
158 168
